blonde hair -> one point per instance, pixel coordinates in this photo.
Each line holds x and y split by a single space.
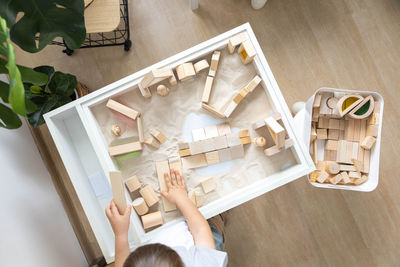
157 255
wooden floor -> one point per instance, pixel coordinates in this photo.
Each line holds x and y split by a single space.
308 44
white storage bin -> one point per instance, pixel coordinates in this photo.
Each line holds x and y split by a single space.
83 147
303 122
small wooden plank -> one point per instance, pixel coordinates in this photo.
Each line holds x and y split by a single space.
184 152
124 149
194 161
357 130
368 142
230 108
274 149
161 168
117 187
207 89
363 130
277 132
213 111
367 155
253 83
223 129
214 63
127 111
158 135
140 129
152 142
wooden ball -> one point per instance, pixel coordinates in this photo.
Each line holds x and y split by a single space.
116 130
259 141
162 90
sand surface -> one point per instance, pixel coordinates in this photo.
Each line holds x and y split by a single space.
176 114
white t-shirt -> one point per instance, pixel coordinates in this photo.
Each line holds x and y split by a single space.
180 239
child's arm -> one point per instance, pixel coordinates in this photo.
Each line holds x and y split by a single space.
120 226
177 194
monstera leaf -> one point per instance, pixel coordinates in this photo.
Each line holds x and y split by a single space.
45 19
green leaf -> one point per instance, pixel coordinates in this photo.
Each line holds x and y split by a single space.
36 118
8 119
4 91
62 84
48 19
28 75
35 89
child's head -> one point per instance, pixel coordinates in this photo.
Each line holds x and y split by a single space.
154 255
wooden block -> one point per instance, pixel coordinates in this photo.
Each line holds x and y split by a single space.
183 145
124 149
223 128
324 110
354 154
140 206
349 152
127 111
321 166
172 79
368 142
214 63
196 147
230 108
212 157
333 134
358 165
355 175
329 155
198 134
117 187
208 145
258 124
332 103
315 115
317 100
345 167
322 177
152 142
200 66
342 124
347 103
238 98
244 133
213 111
224 154
323 123
313 134
363 130
372 130
194 161
152 219
132 184
245 140
333 168
220 142
322 134
349 130
211 131
140 129
345 178
158 135
156 76
246 52
336 179
233 139
341 135
360 154
237 152
274 149
357 130
207 89
175 163
208 185
277 132
341 153
334 124
364 109
185 71
162 167
313 176
315 149
373 119
147 192
144 91
367 155
184 152
235 41
362 180
253 83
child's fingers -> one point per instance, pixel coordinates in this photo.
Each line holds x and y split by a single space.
183 181
114 209
167 180
108 211
178 177
127 212
164 193
173 177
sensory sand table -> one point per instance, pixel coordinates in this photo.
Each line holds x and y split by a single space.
213 112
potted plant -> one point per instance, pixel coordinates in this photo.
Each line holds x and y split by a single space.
33 92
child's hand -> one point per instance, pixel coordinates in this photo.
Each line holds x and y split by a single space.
119 223
176 187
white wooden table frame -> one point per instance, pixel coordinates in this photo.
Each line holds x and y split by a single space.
84 149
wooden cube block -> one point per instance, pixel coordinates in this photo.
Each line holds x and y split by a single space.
372 130
185 71
198 134
212 157
313 176
127 111
223 129
277 132
220 142
322 134
224 154
211 131
132 183
237 152
184 152
245 140
334 124
333 134
342 124
244 133
194 161
322 177
368 142
152 142
196 147
208 185
207 89
158 135
331 145
183 145
213 111
208 145
330 155
233 139
246 52
321 165
323 123
230 108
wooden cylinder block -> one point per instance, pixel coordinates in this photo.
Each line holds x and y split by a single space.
140 206
149 195
132 184
152 219
333 168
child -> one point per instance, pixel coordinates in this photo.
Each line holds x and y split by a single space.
197 250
